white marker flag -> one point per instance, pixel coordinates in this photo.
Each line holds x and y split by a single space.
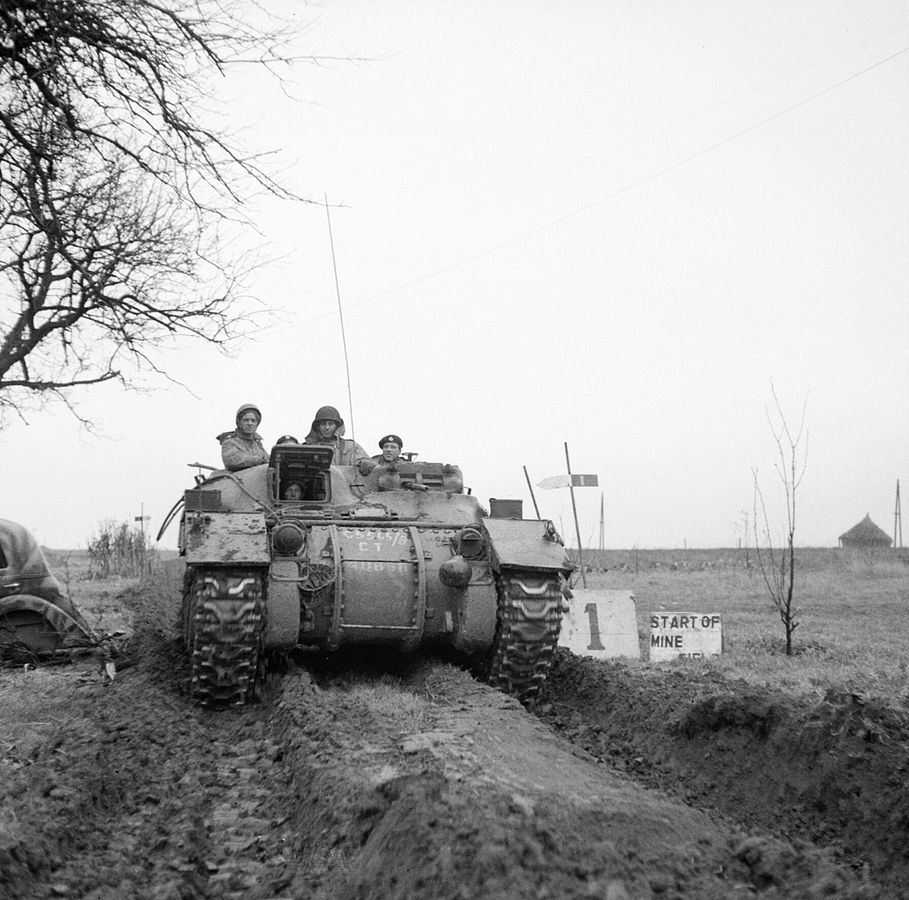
560 481
554 481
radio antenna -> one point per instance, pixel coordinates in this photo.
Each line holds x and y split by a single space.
334 265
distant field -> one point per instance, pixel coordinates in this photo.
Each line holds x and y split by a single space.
734 558
97 599
854 613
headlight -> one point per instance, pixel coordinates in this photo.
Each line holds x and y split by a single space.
471 543
455 572
287 539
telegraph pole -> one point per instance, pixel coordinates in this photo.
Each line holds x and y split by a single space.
142 519
897 520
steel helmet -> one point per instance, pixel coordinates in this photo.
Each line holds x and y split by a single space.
327 412
248 407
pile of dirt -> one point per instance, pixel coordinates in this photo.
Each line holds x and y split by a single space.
829 769
487 802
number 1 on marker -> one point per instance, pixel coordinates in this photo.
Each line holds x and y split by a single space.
595 642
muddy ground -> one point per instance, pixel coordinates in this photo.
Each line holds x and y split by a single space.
367 778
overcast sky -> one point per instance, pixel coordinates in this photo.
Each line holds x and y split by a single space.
611 224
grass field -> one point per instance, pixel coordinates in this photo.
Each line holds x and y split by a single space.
853 611
853 614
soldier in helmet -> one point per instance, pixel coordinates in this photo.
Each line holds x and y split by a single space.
242 447
328 429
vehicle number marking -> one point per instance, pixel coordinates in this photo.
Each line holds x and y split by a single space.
367 565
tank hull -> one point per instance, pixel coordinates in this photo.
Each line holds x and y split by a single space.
403 569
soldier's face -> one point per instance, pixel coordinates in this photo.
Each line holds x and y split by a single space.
294 492
249 422
327 428
390 451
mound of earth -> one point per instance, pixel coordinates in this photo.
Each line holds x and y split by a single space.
416 782
831 769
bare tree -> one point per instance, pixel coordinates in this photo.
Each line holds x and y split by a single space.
113 188
100 269
129 80
777 564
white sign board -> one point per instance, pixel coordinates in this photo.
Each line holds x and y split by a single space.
685 635
601 624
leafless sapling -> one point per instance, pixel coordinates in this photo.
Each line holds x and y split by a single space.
777 564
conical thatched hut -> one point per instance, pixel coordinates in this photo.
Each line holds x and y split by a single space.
866 536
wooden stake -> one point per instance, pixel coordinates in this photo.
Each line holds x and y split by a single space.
577 527
602 528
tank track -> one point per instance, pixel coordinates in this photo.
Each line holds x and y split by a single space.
527 631
224 633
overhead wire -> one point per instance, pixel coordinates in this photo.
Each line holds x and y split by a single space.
687 117
703 151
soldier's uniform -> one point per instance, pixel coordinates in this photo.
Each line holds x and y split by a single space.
345 452
239 451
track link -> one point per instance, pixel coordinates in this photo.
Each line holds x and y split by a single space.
527 631
224 632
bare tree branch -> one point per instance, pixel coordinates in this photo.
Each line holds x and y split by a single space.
101 267
113 188
129 77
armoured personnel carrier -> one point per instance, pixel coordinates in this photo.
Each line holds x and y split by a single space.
402 557
36 616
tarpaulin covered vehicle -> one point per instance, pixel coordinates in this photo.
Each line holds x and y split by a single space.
36 616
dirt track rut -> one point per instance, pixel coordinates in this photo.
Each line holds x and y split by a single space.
442 787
